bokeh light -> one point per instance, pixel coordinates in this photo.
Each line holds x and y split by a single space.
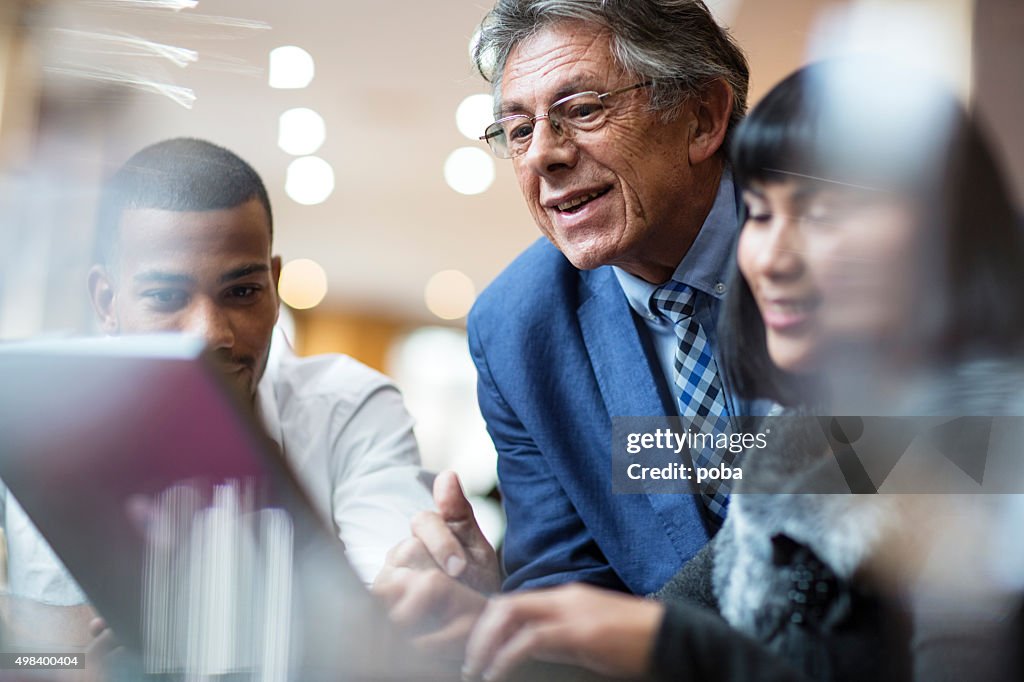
469 170
291 67
303 284
301 131
449 294
309 180
474 113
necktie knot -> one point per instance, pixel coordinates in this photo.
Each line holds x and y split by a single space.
674 300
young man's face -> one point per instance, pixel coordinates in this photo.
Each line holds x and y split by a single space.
208 273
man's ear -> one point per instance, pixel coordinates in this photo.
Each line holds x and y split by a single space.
275 280
102 294
275 271
711 121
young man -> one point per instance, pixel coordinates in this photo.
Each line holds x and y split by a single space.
184 245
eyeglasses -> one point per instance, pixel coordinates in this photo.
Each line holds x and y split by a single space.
510 136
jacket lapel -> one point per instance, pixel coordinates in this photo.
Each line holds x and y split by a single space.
629 388
616 351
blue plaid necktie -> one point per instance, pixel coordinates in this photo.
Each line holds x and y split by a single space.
698 389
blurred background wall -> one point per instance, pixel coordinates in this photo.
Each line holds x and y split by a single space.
362 118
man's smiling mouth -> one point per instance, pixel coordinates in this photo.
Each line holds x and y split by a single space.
574 204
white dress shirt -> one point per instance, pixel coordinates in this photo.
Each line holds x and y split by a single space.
347 435
33 570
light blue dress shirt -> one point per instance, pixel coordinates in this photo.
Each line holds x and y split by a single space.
704 268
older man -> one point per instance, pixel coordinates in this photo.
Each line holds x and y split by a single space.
614 114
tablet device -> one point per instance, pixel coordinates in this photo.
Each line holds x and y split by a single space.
153 483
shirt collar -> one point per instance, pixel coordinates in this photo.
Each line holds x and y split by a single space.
705 265
266 394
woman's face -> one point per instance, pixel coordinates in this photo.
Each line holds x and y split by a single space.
830 267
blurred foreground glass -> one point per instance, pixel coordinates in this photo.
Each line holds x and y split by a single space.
180 521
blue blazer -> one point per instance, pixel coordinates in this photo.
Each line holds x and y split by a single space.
559 352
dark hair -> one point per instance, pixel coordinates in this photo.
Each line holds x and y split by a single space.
919 142
181 174
677 44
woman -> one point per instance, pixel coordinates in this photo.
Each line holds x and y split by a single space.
879 273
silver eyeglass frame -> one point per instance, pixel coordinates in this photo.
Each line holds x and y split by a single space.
556 123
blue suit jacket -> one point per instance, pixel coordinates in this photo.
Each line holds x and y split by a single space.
559 352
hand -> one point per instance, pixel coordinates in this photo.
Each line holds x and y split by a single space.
452 539
434 582
607 632
102 649
435 609
103 641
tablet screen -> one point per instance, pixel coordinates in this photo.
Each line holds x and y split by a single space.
155 486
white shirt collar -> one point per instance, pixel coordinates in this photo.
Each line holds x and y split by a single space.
266 391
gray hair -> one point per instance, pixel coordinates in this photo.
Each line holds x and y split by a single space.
676 44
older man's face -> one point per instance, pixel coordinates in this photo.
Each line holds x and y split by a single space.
634 172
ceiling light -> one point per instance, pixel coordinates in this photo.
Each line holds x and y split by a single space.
303 284
469 170
301 131
290 67
449 294
309 180
475 113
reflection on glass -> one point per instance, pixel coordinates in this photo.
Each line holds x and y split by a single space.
218 582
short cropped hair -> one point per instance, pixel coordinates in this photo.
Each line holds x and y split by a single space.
676 44
920 143
181 174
